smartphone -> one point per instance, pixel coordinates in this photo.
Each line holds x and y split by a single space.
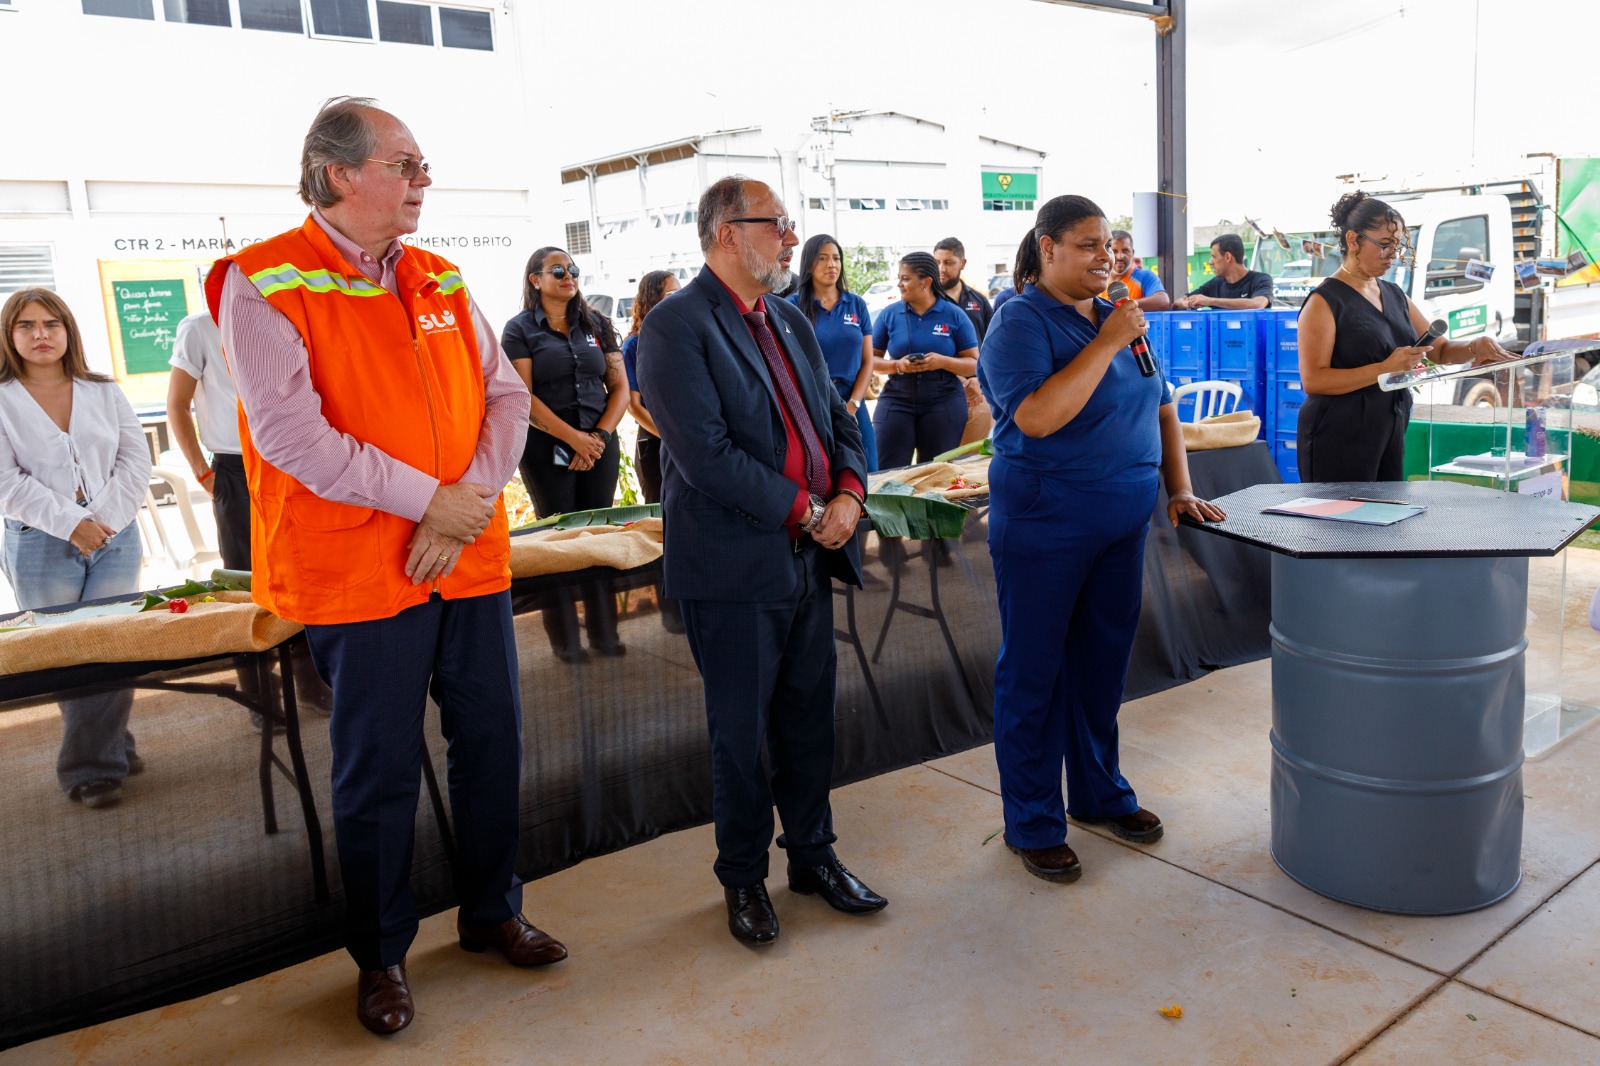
562 455
916 357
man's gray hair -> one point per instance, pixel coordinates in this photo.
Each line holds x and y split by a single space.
724 200
340 134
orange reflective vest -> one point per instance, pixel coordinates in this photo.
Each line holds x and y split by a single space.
397 371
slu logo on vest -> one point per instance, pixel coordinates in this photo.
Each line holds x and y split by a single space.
435 323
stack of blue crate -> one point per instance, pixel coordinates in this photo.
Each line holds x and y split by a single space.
1236 355
1281 354
1182 350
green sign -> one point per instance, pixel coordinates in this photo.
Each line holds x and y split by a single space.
1468 321
1001 185
148 313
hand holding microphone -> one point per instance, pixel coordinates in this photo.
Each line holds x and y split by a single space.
1117 293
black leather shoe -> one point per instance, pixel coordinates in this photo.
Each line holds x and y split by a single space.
1058 864
838 887
750 914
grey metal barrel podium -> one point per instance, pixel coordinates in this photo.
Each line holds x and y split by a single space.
1397 688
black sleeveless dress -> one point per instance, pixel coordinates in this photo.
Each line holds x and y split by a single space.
1359 436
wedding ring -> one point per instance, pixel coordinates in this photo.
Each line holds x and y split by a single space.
444 557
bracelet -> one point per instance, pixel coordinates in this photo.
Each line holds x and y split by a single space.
202 478
854 495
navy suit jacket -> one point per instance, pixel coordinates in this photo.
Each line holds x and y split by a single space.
724 496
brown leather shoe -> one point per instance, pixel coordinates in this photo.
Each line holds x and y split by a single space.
515 938
1140 827
1057 864
383 1002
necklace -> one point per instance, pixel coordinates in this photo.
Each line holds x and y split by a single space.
1359 278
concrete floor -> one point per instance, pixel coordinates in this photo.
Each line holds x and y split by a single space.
975 960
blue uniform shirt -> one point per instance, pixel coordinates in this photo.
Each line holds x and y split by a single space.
839 333
1117 435
944 330
1004 296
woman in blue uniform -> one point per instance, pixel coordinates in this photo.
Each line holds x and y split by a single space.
926 345
844 330
1081 442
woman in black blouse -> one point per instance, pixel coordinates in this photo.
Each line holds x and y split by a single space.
567 355
1354 328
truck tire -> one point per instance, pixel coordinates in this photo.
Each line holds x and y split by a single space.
1481 394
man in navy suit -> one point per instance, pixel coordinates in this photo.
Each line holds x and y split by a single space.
761 492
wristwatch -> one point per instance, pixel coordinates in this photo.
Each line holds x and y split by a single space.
605 435
815 516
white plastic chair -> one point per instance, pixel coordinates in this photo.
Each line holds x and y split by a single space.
200 552
1210 397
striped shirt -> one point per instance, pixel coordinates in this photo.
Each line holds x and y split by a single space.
272 373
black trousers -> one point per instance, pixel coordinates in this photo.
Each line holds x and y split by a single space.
230 502
557 490
647 462
462 652
768 670
1360 436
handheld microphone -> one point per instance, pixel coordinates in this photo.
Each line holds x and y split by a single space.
1436 329
1117 293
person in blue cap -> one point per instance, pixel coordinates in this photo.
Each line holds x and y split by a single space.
1081 442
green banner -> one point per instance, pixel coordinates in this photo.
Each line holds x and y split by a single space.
1002 185
1468 321
1578 215
148 313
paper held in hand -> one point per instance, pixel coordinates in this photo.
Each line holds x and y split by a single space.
1366 512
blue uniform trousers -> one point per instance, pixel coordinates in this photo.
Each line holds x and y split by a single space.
461 652
926 412
768 670
1069 567
869 442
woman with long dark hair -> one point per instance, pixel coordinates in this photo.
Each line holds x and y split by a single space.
567 354
1355 327
74 467
844 330
926 345
654 287
1082 442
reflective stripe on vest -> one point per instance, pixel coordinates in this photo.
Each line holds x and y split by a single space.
288 276
449 282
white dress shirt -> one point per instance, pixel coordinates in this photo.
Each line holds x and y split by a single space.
197 351
104 456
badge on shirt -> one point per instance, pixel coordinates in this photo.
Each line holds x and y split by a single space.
851 320
941 329
972 305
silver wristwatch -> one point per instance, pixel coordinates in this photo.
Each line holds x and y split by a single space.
817 507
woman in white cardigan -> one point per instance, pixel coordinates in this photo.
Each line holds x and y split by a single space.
74 466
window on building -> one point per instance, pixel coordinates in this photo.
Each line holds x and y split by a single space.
282 16
466 29
198 12
578 238
866 204
341 18
1008 205
691 217
122 9
405 23
26 266
817 203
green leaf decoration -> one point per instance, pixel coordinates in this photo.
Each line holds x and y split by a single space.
894 488
604 516
977 447
895 514
231 580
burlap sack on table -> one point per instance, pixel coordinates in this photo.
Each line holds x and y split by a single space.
557 551
1221 431
230 625
936 477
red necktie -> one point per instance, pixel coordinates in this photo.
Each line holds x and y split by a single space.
790 397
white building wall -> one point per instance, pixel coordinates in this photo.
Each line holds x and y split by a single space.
149 132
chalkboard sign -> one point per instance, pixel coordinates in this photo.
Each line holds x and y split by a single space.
148 313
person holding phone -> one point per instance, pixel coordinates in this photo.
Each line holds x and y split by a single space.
1356 327
567 354
927 345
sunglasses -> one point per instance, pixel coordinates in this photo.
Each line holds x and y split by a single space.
784 223
562 272
409 168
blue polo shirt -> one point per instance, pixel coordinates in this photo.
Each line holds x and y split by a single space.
1117 435
630 362
1004 296
840 332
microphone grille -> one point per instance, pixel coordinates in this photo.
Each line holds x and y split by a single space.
1116 291
1439 327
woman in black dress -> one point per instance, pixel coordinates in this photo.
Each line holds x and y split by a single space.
1355 327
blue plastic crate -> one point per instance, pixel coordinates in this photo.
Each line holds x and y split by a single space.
1282 343
1284 397
1286 457
1235 343
1188 342
1160 335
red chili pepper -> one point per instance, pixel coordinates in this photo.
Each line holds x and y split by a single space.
178 606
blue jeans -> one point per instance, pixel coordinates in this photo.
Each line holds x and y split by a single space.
45 571
869 440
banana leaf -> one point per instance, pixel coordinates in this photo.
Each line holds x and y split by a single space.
896 513
604 516
977 447
221 581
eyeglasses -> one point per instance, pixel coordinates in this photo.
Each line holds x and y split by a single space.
561 273
409 168
784 223
1385 248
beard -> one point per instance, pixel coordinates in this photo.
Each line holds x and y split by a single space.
771 273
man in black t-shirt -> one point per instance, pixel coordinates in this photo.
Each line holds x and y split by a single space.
951 256
1235 286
